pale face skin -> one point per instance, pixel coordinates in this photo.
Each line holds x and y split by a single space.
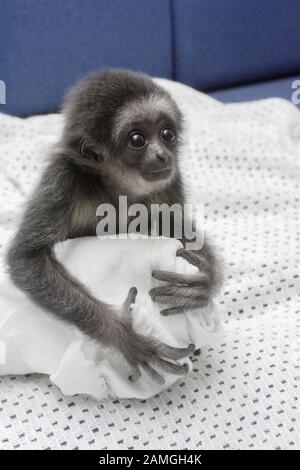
149 149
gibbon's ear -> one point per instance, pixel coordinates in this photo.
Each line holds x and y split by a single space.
87 150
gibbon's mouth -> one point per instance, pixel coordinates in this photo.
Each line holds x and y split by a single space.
158 175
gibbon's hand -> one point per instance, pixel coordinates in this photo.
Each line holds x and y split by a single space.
145 352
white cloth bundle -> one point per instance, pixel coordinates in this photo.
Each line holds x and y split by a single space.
34 341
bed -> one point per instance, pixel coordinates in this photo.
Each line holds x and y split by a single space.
242 162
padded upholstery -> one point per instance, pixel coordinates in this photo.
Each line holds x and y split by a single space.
209 44
230 42
47 45
275 88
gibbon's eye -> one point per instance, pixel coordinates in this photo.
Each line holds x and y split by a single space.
136 140
167 135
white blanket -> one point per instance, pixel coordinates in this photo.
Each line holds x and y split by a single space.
243 162
33 341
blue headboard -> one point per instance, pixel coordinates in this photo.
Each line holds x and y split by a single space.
46 45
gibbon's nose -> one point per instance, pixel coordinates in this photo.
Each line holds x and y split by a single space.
162 157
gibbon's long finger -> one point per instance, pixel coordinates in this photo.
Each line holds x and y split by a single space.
190 257
179 279
170 367
127 305
135 374
197 260
173 311
180 301
173 353
183 308
130 299
182 291
155 376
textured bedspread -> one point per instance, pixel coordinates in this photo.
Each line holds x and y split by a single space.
242 162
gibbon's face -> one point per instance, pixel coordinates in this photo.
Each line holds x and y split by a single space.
149 148
147 138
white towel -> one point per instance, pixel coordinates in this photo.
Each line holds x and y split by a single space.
32 340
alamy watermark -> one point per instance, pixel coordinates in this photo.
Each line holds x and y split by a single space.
175 221
2 92
296 94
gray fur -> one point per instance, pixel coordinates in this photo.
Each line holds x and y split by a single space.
64 206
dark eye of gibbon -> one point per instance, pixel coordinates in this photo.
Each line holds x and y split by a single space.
168 135
136 140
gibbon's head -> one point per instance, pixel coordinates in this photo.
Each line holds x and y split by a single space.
124 122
